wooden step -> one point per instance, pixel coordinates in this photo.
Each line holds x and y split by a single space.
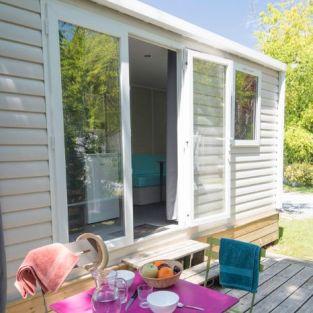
172 251
196 274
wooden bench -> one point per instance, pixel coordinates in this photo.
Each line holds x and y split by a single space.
175 251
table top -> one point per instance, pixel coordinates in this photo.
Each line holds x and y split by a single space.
212 301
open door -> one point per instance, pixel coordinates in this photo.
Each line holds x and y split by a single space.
209 82
90 125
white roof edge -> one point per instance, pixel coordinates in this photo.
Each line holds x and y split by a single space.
170 22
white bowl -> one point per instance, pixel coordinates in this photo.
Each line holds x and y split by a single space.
163 301
128 276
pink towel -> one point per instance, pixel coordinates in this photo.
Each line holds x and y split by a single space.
48 265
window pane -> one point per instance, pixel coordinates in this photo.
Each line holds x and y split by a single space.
208 108
245 105
92 131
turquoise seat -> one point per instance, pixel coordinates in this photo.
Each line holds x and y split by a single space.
146 170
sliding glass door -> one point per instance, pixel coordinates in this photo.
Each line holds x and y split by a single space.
210 80
92 128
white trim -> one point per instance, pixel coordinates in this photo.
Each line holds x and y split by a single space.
172 23
227 133
55 11
56 143
257 127
280 146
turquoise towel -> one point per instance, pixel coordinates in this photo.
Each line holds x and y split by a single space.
239 265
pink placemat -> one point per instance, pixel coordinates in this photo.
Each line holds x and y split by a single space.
212 301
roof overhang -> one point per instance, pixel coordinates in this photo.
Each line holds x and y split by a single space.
164 20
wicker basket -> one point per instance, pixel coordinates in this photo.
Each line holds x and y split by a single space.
160 283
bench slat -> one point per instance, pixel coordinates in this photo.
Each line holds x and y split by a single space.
174 251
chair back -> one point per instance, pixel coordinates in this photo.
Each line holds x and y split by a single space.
213 251
92 251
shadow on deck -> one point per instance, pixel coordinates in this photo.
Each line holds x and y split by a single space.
285 286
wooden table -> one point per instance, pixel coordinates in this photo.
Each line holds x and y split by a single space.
212 301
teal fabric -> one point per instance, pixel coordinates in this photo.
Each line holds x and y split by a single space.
239 265
146 169
146 180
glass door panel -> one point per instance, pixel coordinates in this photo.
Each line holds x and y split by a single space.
210 78
90 76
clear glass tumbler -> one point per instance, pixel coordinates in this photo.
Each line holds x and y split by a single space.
103 277
143 293
121 285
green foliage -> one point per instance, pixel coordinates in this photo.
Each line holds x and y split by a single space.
246 92
298 145
307 119
91 104
299 174
286 33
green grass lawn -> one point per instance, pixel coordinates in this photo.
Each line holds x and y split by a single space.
296 238
303 189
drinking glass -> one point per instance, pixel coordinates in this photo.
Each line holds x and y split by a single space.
143 293
103 277
105 299
122 288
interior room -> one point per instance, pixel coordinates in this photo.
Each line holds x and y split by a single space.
154 136
94 156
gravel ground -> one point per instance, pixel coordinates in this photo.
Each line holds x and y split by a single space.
297 205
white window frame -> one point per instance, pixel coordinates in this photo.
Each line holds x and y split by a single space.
53 12
248 142
189 159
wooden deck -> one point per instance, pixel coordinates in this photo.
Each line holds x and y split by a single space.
285 286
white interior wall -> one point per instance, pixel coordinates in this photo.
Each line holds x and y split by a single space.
148 77
148 120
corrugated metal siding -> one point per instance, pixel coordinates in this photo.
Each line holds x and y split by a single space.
24 168
254 169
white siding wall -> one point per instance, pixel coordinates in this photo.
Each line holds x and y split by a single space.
24 169
254 169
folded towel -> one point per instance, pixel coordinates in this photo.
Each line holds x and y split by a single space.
239 265
48 266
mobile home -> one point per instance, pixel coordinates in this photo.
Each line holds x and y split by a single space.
122 120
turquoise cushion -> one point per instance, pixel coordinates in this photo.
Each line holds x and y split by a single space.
146 169
146 180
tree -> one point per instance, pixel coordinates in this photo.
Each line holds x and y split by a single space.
286 33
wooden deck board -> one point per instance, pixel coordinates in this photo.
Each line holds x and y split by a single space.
268 287
285 286
297 299
277 297
307 306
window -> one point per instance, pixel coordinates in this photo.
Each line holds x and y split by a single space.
209 83
246 109
90 69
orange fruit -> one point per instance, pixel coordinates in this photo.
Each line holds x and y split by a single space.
158 263
165 272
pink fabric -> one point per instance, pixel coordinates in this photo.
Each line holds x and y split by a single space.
48 266
211 300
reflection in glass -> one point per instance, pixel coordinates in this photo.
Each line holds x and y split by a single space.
245 105
92 131
209 156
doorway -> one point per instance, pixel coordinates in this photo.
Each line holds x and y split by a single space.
153 106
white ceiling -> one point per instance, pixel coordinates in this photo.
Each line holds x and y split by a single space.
149 72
